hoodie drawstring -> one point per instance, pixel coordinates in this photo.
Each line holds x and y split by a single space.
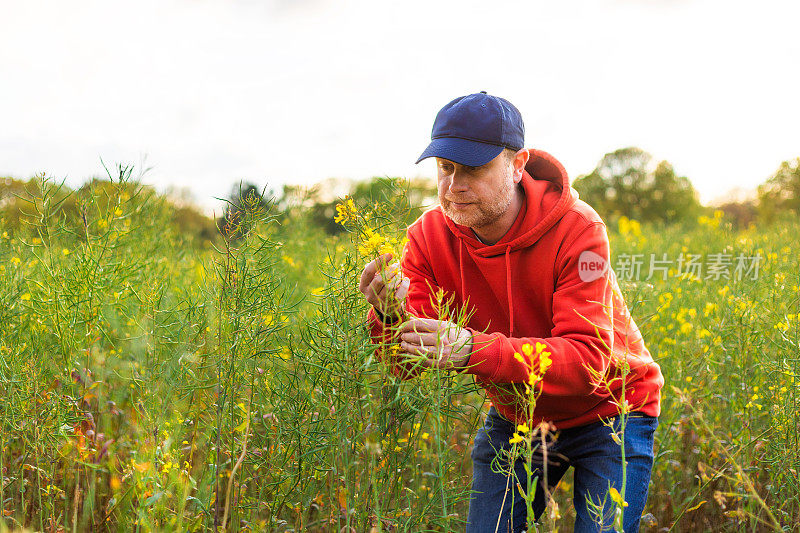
461 269
509 293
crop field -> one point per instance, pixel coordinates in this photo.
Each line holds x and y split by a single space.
153 382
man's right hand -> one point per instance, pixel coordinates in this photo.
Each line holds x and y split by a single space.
383 287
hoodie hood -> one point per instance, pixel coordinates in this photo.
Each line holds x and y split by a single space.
548 196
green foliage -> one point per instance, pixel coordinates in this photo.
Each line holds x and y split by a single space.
244 197
15 206
624 184
741 214
199 229
151 384
406 198
12 202
729 348
781 192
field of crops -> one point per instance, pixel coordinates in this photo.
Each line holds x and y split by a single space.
151 383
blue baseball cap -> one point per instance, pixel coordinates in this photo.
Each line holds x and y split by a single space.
472 130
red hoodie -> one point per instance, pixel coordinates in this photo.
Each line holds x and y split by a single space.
534 285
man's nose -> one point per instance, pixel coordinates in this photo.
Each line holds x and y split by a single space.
458 182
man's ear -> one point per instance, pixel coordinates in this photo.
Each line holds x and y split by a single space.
519 162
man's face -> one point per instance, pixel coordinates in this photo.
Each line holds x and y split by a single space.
475 196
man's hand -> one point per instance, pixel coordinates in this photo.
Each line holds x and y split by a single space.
383 286
444 344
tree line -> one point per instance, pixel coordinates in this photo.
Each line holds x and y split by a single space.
627 182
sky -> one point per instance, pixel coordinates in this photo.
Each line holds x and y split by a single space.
205 93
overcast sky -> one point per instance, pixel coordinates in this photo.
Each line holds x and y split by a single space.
296 91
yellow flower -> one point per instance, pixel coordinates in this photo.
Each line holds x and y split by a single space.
629 226
711 222
345 212
373 244
515 439
523 428
617 497
527 349
544 362
540 346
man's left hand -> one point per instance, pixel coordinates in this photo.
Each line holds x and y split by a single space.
445 344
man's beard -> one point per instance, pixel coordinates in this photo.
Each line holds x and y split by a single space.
484 213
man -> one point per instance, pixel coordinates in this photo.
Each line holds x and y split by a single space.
512 243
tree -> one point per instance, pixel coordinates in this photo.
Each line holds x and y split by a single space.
781 192
626 183
741 214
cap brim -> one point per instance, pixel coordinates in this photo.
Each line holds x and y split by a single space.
462 151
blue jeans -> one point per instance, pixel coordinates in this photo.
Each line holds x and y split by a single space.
589 449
